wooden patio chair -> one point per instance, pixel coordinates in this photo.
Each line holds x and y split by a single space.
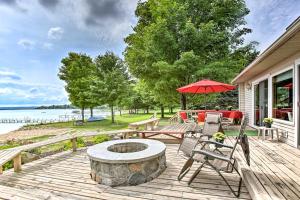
212 125
217 160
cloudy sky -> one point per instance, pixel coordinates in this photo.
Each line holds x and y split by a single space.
36 34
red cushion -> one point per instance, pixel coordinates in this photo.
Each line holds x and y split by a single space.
183 115
201 116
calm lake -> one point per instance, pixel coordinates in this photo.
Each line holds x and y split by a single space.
45 114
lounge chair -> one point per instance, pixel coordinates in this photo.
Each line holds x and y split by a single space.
218 161
212 125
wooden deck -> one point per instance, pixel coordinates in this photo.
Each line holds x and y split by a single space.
275 170
274 174
66 176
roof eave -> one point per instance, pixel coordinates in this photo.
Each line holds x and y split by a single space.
291 30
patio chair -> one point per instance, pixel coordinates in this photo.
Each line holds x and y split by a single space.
184 117
212 125
217 160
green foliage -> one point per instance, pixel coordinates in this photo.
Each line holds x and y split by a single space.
8 165
76 71
219 136
176 42
100 138
268 120
110 81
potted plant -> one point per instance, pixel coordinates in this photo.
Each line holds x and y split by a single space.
268 122
217 108
219 137
229 108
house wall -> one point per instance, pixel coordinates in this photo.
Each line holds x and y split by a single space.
287 130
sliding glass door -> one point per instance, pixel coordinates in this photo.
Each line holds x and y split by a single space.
260 102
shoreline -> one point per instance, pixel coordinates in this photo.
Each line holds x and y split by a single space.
21 133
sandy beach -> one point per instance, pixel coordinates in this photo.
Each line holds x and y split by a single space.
25 134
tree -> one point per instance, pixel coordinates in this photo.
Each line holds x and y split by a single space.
176 42
110 80
145 94
76 71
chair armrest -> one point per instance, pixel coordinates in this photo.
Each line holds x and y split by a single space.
214 142
205 135
211 154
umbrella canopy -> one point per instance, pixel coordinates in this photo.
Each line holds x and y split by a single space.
205 87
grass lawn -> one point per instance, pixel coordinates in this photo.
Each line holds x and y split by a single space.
104 125
121 123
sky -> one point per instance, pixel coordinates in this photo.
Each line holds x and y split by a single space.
36 34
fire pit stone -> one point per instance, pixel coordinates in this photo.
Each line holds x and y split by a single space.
127 162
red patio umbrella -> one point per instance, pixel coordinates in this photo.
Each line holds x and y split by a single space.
205 86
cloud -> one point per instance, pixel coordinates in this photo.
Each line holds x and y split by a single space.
47 45
5 75
24 94
55 33
5 91
13 4
49 4
9 2
33 90
26 43
269 18
100 10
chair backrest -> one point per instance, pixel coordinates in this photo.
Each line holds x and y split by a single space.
243 125
212 123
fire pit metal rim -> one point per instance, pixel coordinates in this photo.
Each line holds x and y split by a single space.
101 153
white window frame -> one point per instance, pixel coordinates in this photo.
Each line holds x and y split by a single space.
297 100
291 67
255 82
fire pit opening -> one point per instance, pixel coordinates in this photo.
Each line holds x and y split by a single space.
127 162
128 147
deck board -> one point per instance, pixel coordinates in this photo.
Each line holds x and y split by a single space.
275 166
66 175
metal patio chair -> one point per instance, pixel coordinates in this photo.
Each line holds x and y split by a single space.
191 139
217 160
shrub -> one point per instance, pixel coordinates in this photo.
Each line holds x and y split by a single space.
100 138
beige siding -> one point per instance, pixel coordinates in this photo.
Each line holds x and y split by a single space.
287 130
249 104
241 97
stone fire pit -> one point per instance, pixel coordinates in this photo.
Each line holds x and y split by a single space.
127 162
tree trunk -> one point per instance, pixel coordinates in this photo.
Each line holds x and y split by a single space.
147 109
112 114
183 101
171 110
92 113
82 114
120 111
162 111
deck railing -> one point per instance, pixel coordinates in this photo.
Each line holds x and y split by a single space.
15 153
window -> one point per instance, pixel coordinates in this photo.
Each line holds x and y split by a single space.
283 96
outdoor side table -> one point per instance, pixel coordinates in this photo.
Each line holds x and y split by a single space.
262 131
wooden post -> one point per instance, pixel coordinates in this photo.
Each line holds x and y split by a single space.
1 170
74 144
17 163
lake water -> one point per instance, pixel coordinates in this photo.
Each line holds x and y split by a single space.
45 114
